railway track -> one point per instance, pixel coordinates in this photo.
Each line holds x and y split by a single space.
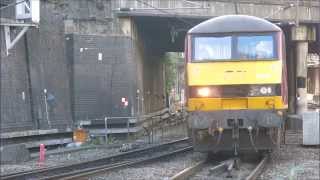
258 170
224 167
90 168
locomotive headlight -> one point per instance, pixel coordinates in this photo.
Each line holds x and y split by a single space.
203 92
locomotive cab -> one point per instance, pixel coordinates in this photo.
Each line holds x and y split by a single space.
236 84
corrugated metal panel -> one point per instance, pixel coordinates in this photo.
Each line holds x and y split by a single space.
15 96
49 69
99 84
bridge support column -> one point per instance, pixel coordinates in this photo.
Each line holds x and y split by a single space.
302 35
301 71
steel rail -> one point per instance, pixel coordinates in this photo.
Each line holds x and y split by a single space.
190 171
222 166
184 174
100 170
258 170
50 171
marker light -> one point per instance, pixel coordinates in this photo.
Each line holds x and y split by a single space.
204 92
258 90
265 90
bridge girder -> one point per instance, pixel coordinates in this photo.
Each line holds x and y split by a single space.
273 10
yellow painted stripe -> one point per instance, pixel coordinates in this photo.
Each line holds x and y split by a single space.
238 72
258 103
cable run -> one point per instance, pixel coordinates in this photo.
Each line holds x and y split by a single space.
12 4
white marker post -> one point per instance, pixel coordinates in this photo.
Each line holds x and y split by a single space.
46 107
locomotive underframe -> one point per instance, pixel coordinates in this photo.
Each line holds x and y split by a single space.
243 130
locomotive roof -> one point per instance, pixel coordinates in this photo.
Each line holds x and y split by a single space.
234 23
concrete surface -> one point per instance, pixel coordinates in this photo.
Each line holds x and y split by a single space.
14 153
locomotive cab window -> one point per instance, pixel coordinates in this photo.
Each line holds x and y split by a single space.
211 48
255 47
235 47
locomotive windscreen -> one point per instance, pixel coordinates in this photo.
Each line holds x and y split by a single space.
234 47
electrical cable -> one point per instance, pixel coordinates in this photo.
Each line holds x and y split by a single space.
12 4
278 11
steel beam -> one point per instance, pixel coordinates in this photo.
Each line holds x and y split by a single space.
9 43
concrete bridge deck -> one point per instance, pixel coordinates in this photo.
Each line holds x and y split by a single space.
282 11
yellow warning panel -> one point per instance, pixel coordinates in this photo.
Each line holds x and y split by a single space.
239 72
213 104
234 103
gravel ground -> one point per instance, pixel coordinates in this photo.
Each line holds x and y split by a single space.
161 170
58 159
294 162
175 132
